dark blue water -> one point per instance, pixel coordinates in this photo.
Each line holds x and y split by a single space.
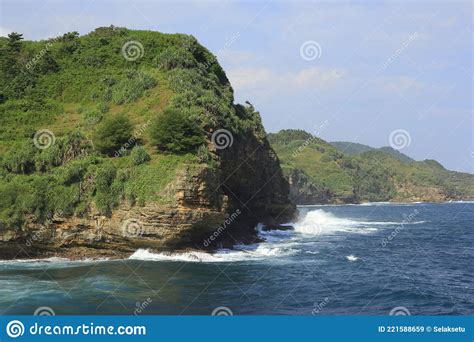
341 260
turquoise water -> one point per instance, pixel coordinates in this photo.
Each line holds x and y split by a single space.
340 260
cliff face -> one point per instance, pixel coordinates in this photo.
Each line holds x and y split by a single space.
254 183
93 205
204 199
304 192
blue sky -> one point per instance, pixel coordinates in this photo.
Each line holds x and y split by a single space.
379 66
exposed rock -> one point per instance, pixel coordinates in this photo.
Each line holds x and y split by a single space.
203 198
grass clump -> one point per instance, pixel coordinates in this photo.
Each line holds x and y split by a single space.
139 155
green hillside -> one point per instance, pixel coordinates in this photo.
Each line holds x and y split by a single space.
355 149
90 121
320 173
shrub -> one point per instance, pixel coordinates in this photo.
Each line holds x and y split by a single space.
173 132
92 117
107 192
112 133
50 157
173 57
20 159
139 155
132 88
72 172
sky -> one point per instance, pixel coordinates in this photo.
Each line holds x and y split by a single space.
379 73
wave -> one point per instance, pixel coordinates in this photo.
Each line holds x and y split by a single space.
240 253
352 258
321 222
460 202
52 262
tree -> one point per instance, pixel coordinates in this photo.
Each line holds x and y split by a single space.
173 132
112 134
14 41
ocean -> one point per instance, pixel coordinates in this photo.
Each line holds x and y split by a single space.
372 259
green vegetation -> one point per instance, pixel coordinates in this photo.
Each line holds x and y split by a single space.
173 132
123 129
355 149
366 173
139 155
112 134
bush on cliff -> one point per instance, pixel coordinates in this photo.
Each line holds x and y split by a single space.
112 134
174 132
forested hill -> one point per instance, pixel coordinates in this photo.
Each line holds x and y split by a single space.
319 172
120 139
355 149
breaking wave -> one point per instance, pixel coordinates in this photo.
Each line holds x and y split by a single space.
318 222
241 253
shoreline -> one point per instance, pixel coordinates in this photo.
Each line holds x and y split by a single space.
89 254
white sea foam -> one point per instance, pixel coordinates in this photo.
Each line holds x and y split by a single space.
241 253
318 222
460 202
53 262
352 258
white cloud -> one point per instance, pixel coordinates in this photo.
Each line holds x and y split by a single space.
242 78
400 84
318 76
314 77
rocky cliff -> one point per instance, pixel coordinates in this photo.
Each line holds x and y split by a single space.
94 203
